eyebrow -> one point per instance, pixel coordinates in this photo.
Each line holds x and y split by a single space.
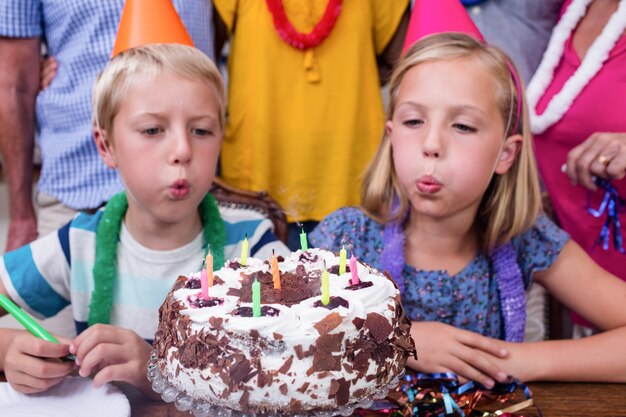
457 109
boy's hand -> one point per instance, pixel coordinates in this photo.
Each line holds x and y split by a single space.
33 365
112 354
444 348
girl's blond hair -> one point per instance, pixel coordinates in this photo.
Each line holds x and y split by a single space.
512 201
147 61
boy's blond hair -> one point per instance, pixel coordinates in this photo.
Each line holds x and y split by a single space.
114 81
512 201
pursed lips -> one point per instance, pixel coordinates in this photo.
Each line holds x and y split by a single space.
428 184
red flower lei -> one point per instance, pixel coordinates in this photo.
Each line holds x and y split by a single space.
291 36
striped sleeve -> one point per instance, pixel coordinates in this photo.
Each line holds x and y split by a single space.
21 18
241 222
36 276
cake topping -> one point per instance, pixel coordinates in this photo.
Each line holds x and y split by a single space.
196 301
333 304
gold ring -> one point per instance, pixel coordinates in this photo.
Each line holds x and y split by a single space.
603 160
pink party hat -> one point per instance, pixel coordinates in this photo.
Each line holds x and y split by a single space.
436 16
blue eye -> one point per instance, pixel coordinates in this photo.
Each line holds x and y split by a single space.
464 128
413 122
202 132
152 131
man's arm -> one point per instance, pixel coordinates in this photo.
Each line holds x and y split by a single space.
19 83
388 59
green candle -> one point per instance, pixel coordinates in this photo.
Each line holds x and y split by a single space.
303 243
325 289
342 260
244 251
26 320
256 298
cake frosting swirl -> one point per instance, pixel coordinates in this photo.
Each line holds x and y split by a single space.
300 355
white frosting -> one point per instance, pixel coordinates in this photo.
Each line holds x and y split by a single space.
294 324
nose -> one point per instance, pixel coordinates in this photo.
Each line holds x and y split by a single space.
181 149
432 146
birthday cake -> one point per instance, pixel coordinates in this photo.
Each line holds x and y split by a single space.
307 352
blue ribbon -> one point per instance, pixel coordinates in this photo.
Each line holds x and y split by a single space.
613 205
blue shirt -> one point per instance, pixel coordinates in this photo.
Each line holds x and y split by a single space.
80 35
469 299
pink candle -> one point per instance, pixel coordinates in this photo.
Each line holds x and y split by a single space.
204 284
353 270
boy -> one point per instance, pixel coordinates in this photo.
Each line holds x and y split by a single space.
158 120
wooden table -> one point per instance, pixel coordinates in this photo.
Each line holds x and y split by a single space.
554 400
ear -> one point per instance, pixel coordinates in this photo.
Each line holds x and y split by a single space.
388 127
105 147
510 151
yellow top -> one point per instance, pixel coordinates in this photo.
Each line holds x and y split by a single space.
303 125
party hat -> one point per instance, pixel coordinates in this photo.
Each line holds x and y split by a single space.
145 22
436 16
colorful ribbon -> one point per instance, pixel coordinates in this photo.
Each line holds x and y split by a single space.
441 394
613 205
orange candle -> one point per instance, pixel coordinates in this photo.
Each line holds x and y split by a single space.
275 272
209 268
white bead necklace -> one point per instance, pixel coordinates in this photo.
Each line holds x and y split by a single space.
594 59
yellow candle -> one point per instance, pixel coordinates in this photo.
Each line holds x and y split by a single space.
342 260
244 251
209 268
256 298
325 287
275 271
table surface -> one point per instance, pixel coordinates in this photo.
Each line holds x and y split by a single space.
553 399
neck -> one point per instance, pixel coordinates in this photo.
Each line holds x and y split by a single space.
433 244
158 235
592 24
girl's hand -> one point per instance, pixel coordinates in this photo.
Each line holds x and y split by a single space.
444 348
113 354
602 155
33 365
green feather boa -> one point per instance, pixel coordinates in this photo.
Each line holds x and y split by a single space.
108 235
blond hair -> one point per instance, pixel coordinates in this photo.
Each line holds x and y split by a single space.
114 81
512 201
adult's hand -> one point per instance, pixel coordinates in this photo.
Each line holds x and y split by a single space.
49 66
601 155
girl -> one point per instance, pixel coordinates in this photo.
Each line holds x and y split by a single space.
452 209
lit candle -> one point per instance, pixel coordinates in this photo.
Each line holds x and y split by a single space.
325 287
303 243
209 267
256 298
244 251
204 292
342 260
275 271
353 270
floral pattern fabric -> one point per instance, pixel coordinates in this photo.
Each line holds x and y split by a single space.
467 300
